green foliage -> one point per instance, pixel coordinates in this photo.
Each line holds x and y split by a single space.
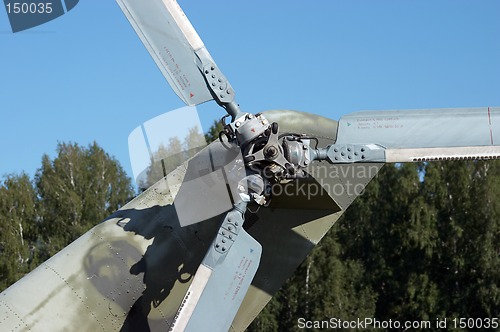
213 132
469 231
421 243
80 187
17 228
70 194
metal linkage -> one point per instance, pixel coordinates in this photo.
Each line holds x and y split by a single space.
276 157
253 188
297 149
218 84
350 153
228 232
249 127
268 153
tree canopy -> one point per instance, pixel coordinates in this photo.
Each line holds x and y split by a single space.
70 194
421 243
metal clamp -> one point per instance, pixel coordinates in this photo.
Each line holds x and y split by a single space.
228 231
351 153
218 83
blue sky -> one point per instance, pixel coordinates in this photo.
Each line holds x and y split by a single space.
86 77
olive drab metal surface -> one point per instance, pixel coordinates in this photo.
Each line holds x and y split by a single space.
208 244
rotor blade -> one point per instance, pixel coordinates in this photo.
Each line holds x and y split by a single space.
219 287
430 134
172 41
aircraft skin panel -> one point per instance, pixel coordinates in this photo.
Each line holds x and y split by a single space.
62 292
132 262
